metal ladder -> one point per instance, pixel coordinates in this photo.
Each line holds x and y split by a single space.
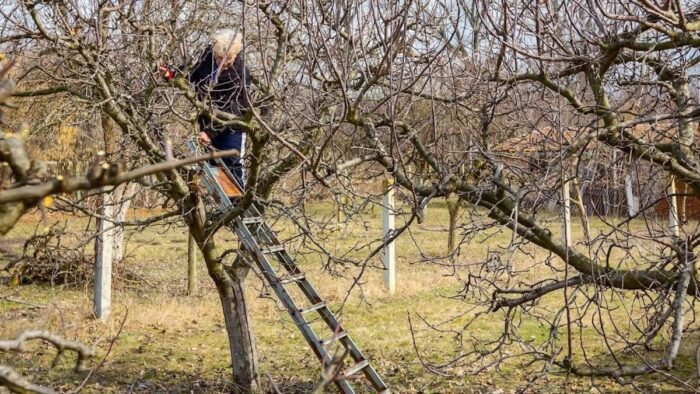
262 243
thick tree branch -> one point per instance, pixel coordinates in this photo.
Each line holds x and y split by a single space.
106 175
16 383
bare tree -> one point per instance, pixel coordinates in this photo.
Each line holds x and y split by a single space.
578 84
26 189
583 82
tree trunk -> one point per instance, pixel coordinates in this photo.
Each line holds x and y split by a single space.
103 259
121 194
632 200
582 210
240 334
105 241
421 176
191 265
453 210
682 189
230 286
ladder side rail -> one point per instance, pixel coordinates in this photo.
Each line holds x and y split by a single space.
311 337
268 272
287 261
369 371
354 351
309 291
327 315
267 235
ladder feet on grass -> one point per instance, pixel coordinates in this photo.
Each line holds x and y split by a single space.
262 243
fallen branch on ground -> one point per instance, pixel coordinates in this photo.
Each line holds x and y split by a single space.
15 382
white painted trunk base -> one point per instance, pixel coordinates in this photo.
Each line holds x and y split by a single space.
389 249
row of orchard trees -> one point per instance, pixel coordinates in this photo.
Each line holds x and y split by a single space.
360 89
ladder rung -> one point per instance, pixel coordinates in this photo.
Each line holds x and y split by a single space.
313 307
335 337
252 220
354 369
291 278
273 249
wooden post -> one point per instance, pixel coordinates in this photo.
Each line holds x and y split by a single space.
104 246
388 227
673 221
191 266
566 200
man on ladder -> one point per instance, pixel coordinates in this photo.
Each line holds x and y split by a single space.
221 78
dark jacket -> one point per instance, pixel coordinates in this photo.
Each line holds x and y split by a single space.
227 93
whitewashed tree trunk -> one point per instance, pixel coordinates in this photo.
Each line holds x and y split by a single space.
566 200
121 194
632 201
104 243
389 249
104 248
673 220
582 209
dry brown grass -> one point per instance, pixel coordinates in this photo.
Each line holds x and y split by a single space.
174 343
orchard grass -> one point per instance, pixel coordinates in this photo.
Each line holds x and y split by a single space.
171 342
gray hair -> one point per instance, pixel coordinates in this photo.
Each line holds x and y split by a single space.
226 43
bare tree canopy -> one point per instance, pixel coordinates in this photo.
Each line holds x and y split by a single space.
510 110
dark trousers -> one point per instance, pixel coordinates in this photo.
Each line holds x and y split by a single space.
234 140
